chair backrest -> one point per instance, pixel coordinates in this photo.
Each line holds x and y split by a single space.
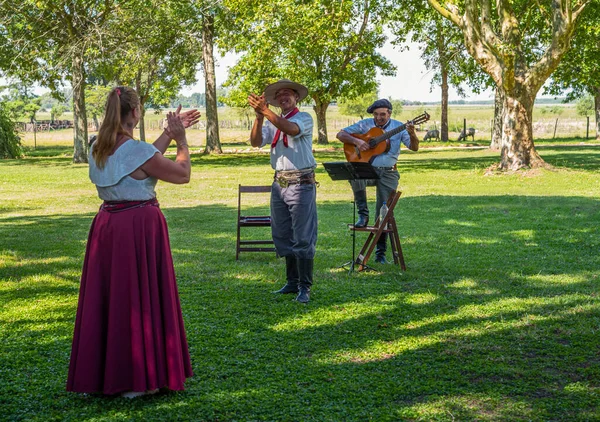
249 189
254 189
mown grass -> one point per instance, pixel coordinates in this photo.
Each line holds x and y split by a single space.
497 317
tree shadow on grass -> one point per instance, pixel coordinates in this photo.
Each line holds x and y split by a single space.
40 162
231 160
576 157
50 151
495 319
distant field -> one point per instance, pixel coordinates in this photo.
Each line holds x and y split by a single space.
235 124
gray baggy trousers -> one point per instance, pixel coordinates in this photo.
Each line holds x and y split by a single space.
294 219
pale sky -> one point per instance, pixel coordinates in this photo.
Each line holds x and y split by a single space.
412 80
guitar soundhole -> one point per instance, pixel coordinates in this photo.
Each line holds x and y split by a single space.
372 144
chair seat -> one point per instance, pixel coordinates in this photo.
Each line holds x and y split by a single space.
255 220
371 229
264 245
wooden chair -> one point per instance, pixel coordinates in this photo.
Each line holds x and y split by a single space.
252 221
375 233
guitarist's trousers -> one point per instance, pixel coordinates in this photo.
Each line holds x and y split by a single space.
385 185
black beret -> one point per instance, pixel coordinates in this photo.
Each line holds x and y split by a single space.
383 103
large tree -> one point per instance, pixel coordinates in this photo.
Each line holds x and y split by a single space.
213 143
157 56
52 40
441 48
579 72
329 46
202 20
519 46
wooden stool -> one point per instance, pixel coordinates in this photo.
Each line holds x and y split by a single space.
375 233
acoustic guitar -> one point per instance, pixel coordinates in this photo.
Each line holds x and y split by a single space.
378 140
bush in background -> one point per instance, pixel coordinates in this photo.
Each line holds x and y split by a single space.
10 143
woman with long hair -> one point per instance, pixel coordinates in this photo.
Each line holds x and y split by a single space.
129 336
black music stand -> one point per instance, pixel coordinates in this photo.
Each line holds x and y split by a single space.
341 170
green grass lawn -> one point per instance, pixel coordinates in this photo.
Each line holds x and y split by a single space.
496 319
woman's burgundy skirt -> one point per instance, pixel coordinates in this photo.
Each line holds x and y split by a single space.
129 333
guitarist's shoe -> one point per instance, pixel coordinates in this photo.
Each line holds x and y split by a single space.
380 259
361 222
288 288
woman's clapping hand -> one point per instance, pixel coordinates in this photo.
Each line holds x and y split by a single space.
175 129
188 118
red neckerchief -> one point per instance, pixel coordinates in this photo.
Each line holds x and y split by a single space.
276 138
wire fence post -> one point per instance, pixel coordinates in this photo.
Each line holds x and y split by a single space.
587 128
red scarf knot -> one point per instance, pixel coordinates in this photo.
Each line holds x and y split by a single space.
285 139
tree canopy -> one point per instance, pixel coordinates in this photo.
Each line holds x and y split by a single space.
20 102
442 50
160 55
519 46
357 106
53 41
331 47
579 72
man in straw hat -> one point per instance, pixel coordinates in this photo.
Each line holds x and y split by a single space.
293 194
384 164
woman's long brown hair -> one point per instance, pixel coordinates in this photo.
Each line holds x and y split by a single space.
119 103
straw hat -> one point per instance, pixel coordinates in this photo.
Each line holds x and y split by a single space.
272 89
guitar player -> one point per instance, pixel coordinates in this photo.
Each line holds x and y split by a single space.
384 164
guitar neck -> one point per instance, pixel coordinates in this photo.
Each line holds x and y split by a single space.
389 134
417 120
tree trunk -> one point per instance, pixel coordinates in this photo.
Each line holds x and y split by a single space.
444 122
443 59
79 116
498 119
517 149
142 97
597 110
213 144
141 124
320 109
